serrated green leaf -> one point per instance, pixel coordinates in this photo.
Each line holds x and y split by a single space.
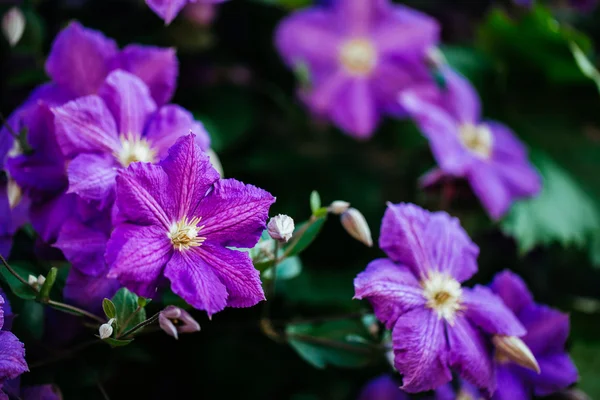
109 308
287 269
126 307
563 212
315 201
19 288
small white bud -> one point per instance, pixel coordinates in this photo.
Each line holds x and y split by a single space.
355 224
511 348
106 330
41 280
281 228
338 207
32 280
434 57
13 25
36 282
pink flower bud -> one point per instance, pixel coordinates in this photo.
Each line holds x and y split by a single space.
13 25
173 320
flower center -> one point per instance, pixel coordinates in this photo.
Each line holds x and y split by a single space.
476 138
14 192
184 233
358 56
135 149
443 294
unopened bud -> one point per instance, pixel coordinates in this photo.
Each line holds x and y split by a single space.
338 207
173 320
511 348
434 57
215 161
574 394
13 25
355 224
281 228
36 283
106 330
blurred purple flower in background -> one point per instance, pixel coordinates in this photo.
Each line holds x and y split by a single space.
177 220
168 9
436 324
547 332
486 153
100 134
359 54
384 387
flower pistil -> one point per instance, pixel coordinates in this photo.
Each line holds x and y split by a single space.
184 233
443 294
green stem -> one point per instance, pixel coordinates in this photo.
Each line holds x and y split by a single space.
139 326
266 324
15 274
128 320
297 236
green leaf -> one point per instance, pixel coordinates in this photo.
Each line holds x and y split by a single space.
31 319
19 288
287 269
109 308
321 288
315 201
126 307
117 342
143 302
563 212
586 356
332 343
297 246
48 284
584 64
471 62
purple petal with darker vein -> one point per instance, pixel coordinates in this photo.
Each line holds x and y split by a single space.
83 247
87 291
157 67
487 311
236 271
169 124
129 101
86 125
196 282
512 290
234 214
392 290
92 177
166 9
382 388
420 350
510 384
12 356
190 175
79 59
470 354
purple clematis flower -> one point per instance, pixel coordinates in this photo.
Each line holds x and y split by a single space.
385 387
436 324
359 55
177 220
168 9
102 133
486 153
12 363
547 332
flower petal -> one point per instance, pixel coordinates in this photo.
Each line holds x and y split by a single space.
382 388
510 384
48 217
488 311
12 356
190 175
87 291
392 289
557 372
157 67
235 270
129 101
166 9
512 290
234 214
83 247
547 329
138 253
308 37
460 98
141 195
490 188
406 30
470 355
420 350
79 59
355 109
196 282
358 17
92 177
85 125
169 124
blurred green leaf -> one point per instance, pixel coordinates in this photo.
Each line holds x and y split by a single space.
586 356
20 289
31 319
563 212
312 230
321 288
288 4
585 65
109 308
127 313
117 342
287 269
315 201
471 62
327 344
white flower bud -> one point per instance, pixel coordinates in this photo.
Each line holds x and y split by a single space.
355 224
36 282
281 228
338 207
106 330
32 280
511 348
13 25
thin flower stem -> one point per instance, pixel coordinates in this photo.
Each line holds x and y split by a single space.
297 236
266 324
139 326
15 274
76 310
128 320
102 390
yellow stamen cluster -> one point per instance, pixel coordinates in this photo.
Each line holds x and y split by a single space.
184 233
443 294
358 56
476 138
134 149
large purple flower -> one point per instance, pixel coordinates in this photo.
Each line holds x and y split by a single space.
177 220
384 387
168 9
12 352
359 55
436 324
547 332
102 133
486 153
